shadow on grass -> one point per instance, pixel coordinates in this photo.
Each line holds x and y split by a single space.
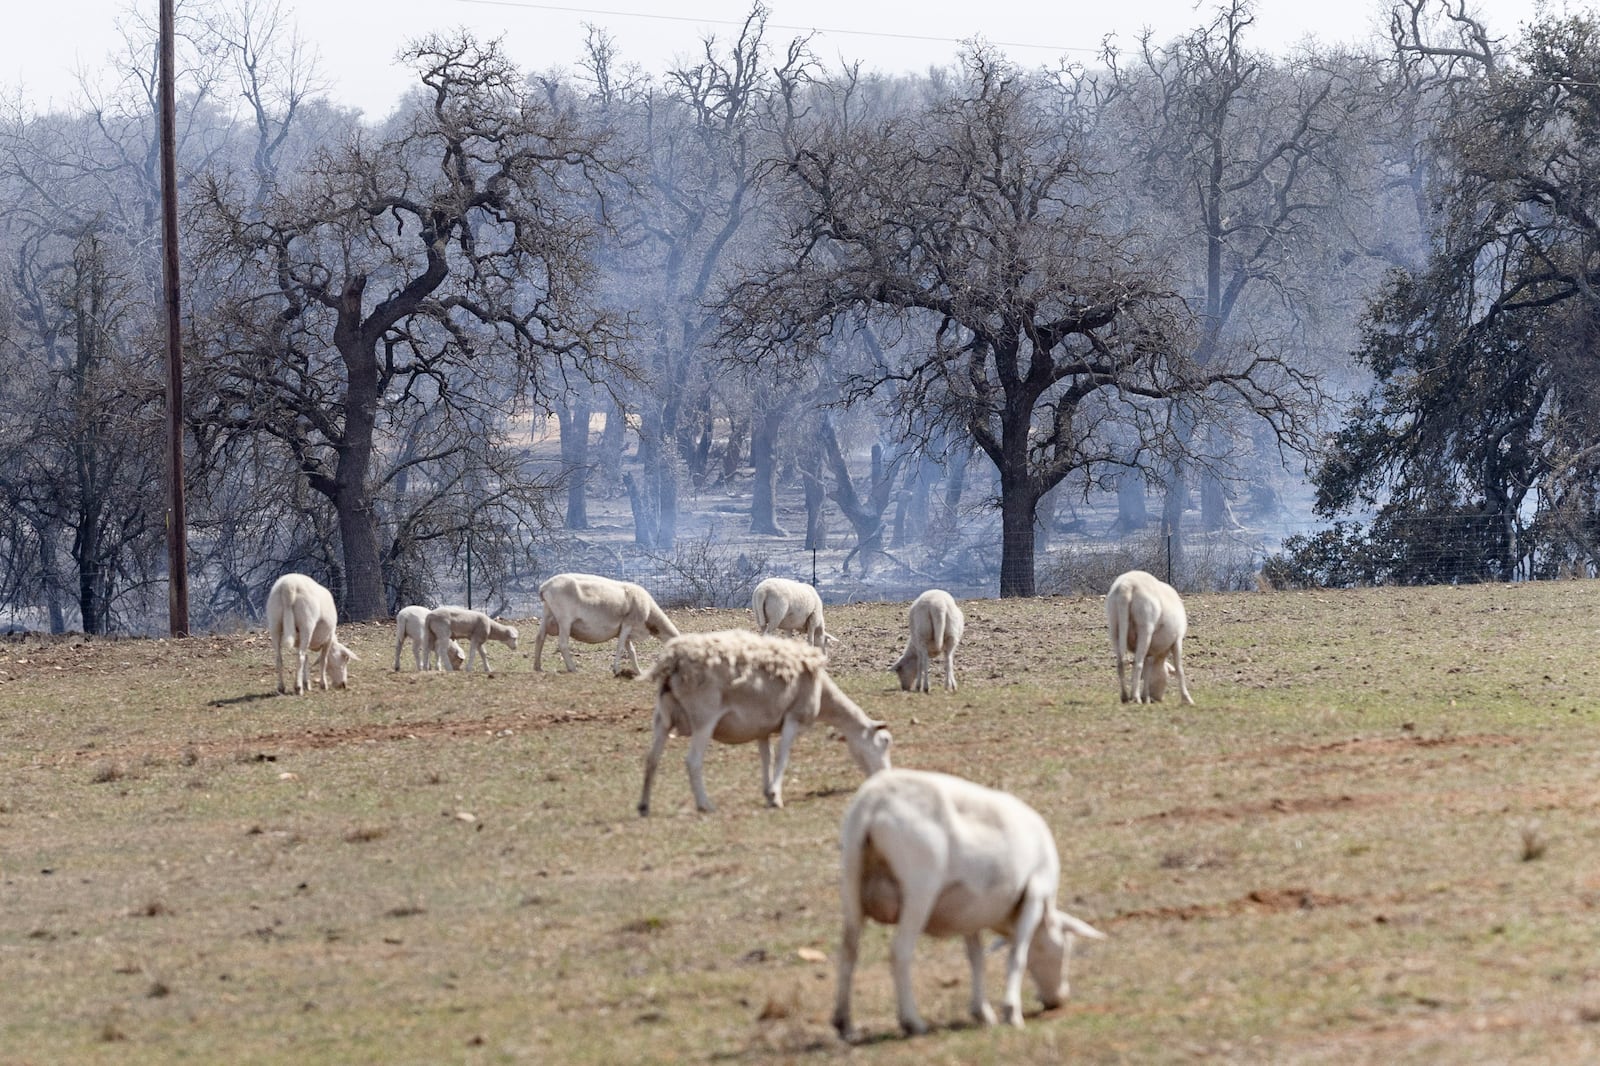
248 697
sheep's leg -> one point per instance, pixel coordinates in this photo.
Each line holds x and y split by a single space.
483 655
849 951
922 669
765 751
1177 662
916 904
302 675
658 744
1141 653
790 730
1029 915
979 1007
399 643
563 632
277 651
538 640
950 670
322 665
699 741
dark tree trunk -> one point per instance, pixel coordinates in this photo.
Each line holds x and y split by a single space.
764 431
1018 510
352 500
1132 515
573 420
613 442
816 494
643 515
1172 521
50 582
733 454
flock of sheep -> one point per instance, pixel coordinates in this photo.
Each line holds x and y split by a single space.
924 852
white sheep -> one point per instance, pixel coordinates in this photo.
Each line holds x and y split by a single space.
301 615
790 607
1146 618
936 624
442 623
411 623
734 686
937 854
593 610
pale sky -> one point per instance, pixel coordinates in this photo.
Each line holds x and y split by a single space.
47 43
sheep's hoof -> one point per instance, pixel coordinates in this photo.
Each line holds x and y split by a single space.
985 1015
644 810
913 1026
846 1031
1013 1015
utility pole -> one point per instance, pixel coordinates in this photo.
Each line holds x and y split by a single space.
177 521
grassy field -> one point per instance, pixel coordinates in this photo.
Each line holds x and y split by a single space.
1373 840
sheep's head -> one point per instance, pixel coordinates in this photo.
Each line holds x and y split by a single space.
511 637
871 748
339 660
457 656
1156 672
906 669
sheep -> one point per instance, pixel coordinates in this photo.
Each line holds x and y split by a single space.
735 686
442 623
936 624
301 615
1146 618
412 623
932 853
790 607
595 609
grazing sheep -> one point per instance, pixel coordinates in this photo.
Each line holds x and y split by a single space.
443 623
412 623
936 854
301 615
595 609
936 624
735 686
1147 619
790 607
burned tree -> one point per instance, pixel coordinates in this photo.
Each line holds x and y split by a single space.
440 265
975 239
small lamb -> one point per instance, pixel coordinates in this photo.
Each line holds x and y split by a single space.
445 622
937 854
936 625
1146 618
301 616
411 623
790 607
735 686
594 609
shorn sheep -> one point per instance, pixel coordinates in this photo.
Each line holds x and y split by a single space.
936 624
594 609
301 616
411 623
478 628
1146 618
790 607
937 854
734 686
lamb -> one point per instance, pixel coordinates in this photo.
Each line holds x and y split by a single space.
442 623
595 609
937 854
412 622
301 615
1147 619
735 686
936 624
790 606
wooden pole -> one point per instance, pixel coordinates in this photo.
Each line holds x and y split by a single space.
177 521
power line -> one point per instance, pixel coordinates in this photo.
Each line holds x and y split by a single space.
740 22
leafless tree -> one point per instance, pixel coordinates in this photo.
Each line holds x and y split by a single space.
1012 312
440 265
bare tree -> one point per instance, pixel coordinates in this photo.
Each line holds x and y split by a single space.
395 275
974 239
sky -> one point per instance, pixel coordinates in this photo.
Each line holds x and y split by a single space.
48 45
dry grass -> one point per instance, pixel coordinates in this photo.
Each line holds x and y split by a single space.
1330 860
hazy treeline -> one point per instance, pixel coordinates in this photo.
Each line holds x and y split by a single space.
1156 271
